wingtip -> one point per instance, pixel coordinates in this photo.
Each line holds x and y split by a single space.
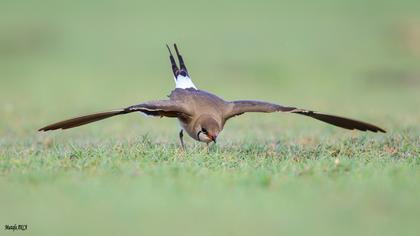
376 130
48 128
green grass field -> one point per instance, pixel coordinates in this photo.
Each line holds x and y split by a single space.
269 174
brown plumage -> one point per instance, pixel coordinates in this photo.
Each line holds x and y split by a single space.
202 114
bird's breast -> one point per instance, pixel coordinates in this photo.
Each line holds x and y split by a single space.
188 128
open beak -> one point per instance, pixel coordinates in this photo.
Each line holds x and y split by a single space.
213 138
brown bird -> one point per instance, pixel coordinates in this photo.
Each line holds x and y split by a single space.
202 114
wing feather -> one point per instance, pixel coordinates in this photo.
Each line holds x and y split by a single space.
240 107
161 108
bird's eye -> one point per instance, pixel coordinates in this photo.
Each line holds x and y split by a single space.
204 130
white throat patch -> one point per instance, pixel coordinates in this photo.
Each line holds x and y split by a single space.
204 138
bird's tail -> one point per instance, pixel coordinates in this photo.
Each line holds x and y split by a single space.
182 78
82 120
182 66
175 69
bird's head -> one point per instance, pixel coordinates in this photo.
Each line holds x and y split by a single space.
207 130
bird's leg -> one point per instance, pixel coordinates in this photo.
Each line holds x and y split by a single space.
208 147
181 136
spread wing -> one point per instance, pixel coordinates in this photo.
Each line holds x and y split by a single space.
161 108
240 107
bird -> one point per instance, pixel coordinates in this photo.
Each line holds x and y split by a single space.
203 115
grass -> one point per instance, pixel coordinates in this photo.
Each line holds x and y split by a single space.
268 174
350 186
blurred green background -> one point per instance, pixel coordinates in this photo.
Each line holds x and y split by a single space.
355 58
